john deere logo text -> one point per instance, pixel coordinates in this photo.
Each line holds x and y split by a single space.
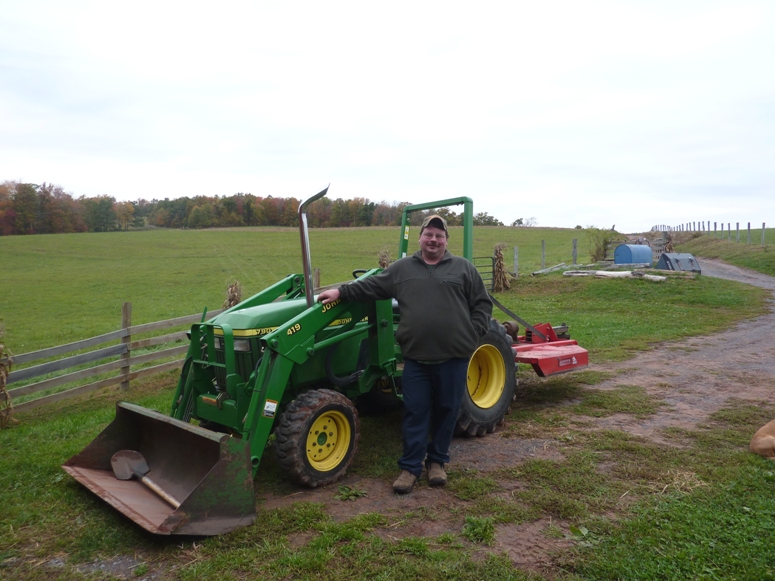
331 305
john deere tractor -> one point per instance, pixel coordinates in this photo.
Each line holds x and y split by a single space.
277 363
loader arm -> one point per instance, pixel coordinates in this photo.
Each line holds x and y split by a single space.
290 345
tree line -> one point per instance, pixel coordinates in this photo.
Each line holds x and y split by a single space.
47 209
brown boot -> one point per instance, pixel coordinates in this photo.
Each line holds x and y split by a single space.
436 474
404 483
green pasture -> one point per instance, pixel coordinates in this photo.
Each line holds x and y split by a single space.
623 515
61 288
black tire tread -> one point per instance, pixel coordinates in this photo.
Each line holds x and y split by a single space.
473 421
290 436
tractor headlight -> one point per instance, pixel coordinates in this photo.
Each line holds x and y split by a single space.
239 344
242 345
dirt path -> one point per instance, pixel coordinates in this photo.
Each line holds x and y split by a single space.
695 378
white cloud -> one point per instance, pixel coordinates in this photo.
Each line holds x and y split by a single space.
574 113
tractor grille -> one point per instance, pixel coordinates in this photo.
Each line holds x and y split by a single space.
244 364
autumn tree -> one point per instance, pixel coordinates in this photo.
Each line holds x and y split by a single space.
291 212
7 213
484 219
99 214
29 208
25 206
124 214
201 217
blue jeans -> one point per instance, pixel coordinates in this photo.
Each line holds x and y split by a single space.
432 397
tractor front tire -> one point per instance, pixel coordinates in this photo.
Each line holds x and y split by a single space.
317 437
491 380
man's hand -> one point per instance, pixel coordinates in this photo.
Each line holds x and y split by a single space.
328 296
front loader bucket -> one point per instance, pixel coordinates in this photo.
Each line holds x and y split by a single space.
208 472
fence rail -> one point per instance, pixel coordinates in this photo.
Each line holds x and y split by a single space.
123 363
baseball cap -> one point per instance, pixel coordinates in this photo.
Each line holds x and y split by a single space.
436 221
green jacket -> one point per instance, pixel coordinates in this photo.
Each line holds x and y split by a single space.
445 308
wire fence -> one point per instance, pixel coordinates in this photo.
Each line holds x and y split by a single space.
718 230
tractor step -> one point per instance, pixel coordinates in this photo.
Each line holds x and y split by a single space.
208 472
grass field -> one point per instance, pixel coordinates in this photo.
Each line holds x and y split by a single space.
61 288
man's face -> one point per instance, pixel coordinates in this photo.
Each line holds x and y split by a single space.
433 243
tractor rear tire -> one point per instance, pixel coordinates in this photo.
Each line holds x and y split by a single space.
491 380
317 437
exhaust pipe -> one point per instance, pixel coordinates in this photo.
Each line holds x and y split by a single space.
305 255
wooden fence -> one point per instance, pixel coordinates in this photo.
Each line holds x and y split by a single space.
121 353
574 255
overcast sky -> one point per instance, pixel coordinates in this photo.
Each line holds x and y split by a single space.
572 113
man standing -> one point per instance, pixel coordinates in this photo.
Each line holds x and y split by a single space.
445 310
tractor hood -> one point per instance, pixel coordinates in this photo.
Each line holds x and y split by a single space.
261 319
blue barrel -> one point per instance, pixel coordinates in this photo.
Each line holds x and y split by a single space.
632 254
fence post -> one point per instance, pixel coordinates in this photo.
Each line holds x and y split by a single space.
575 250
762 234
516 261
749 232
126 322
737 231
315 278
543 254
729 230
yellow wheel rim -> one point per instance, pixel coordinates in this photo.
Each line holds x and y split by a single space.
486 376
328 441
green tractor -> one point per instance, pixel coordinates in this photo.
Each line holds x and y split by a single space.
277 363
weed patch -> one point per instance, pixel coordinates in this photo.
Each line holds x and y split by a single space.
469 485
479 530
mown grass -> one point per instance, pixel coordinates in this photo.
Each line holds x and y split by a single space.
630 508
753 256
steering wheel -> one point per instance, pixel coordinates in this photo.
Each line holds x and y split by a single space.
359 271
